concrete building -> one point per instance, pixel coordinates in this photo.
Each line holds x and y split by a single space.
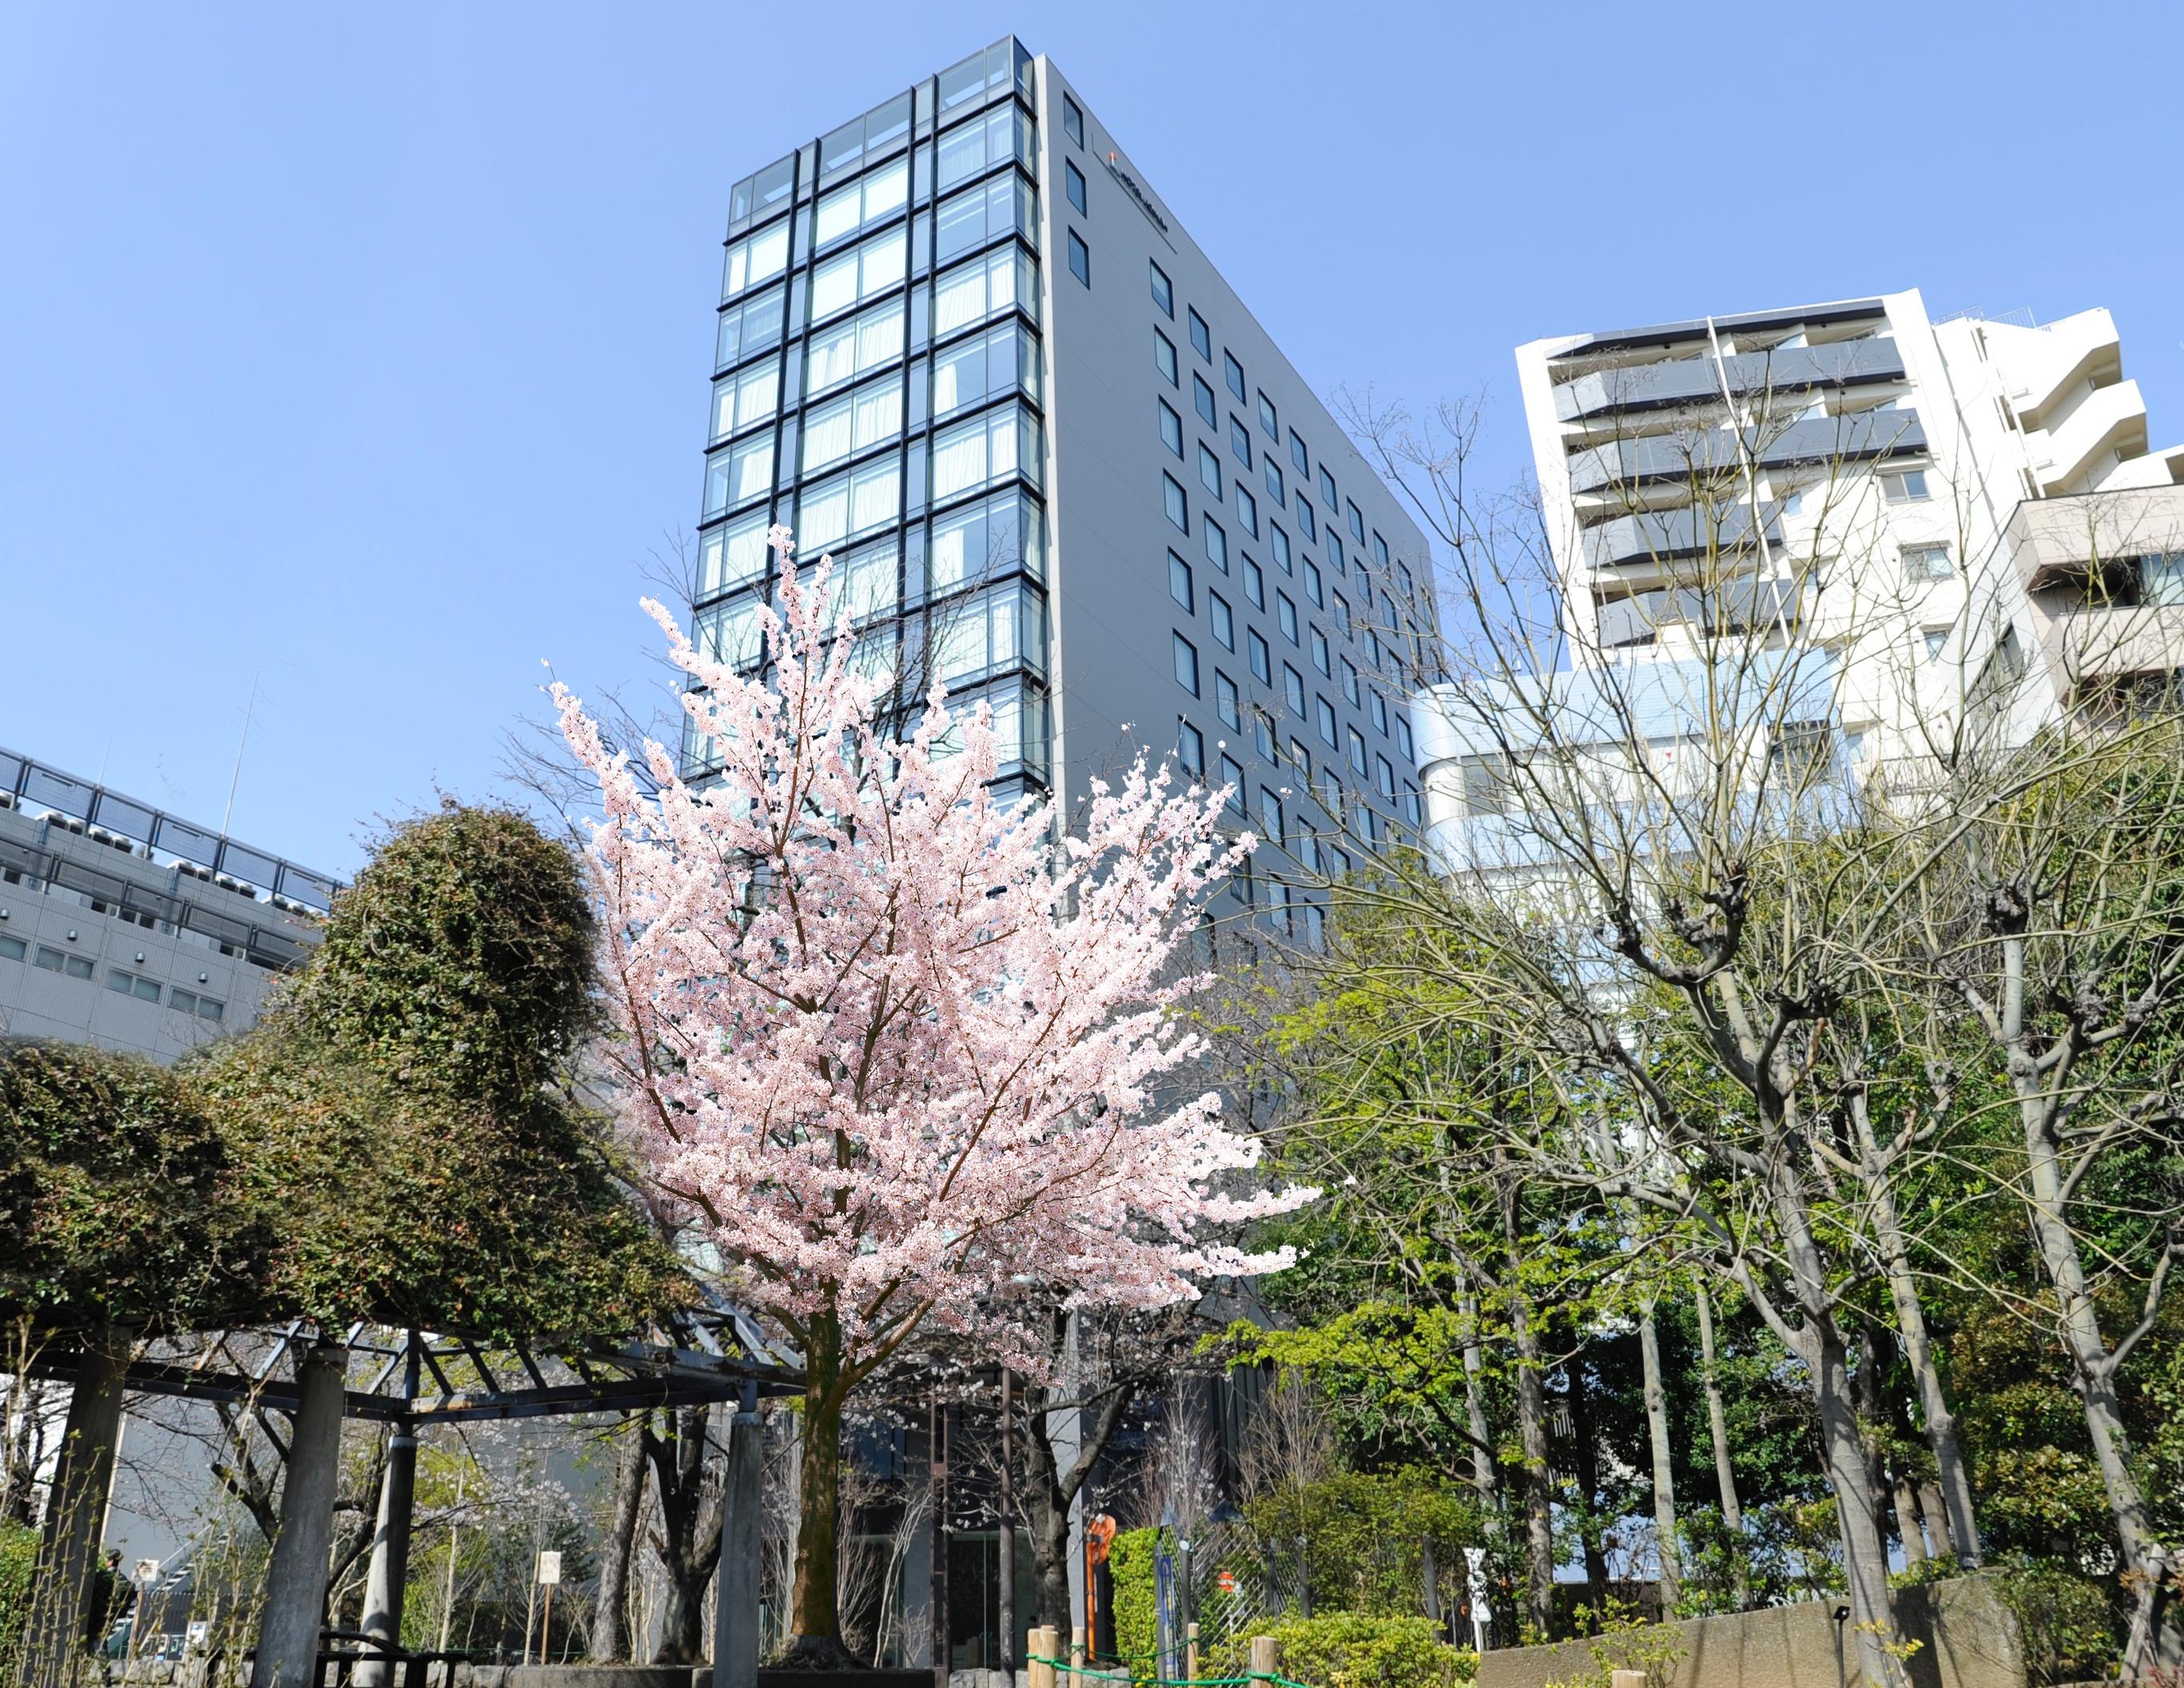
966 346
1966 512
132 929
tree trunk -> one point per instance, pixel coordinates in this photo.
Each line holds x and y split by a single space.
1865 1558
1949 1462
610 1635
1587 1463
1665 1475
1538 1476
814 1616
1725 1469
53 1640
1907 1521
689 1539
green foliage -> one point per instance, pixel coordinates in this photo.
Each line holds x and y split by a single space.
18 1557
1366 1532
402 1119
1132 1565
116 1198
1621 1640
1351 1650
2069 1621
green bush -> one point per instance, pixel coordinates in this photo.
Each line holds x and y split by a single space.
2068 1620
1351 1650
19 1554
1131 1561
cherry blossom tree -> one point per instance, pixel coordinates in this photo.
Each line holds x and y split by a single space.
893 1043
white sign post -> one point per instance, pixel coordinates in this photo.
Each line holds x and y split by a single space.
549 1579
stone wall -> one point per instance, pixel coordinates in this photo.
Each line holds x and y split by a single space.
1969 1637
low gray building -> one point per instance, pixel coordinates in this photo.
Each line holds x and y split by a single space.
132 929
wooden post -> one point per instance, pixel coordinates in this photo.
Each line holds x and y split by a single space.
1076 1650
1626 1679
1042 1648
1190 1653
1263 1655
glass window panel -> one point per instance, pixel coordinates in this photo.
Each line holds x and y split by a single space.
1225 623
1280 542
1225 702
1234 373
868 585
1201 340
1216 545
1201 395
823 514
879 413
1254 584
757 395
730 555
1178 583
959 377
887 190
829 435
876 495
840 212
834 286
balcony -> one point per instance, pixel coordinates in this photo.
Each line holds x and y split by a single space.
2070 539
2106 418
1660 536
2085 644
1858 436
1735 606
1692 380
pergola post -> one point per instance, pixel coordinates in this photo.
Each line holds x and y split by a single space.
296 1583
735 1597
390 1556
75 1517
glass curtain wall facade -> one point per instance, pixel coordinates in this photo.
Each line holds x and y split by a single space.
879 389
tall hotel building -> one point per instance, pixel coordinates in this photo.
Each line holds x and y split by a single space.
966 347
1965 511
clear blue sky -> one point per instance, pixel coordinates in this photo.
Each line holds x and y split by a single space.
364 349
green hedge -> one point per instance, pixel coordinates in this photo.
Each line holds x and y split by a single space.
1131 1561
18 1555
1351 1650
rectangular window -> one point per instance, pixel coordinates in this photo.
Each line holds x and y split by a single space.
1080 258
1322 658
733 477
1276 488
1334 552
990 448
1342 614
730 556
1413 812
1293 689
1173 498
1004 281
1178 583
1267 417
1270 814
970 148
1312 583
1379 549
1356 752
1306 519
189 1002
1327 488
1163 290
1232 778
1327 725
1072 121
872 269
747 330
1254 584
1217 544
1186 664
1380 714
1299 458
849 349
1285 616
1349 681
1403 740
883 193
1385 778
986 366
1233 372
1073 184
1261 659
1202 398
730 632
1209 471
1191 748
1225 703
1007 205
13 949
1247 510
1170 428
1301 760
1280 542
1202 339
1239 442
1937 641
1225 623
753 262
1262 734
1164 356
1907 487
1924 563
1356 522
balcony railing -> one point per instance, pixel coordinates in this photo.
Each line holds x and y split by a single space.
1859 437
1656 536
1689 380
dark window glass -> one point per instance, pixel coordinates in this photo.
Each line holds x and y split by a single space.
1080 258
1178 507
1073 184
1163 293
1201 398
1164 356
1170 428
1234 373
1209 471
1178 583
1293 689
1191 748
1267 417
1225 623
1262 659
1201 338
1298 456
1186 664
1240 441
1072 121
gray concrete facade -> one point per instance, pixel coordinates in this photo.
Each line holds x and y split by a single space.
132 929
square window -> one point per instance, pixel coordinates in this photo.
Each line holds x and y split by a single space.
1072 121
1261 659
1178 583
1239 442
1164 356
1178 507
1924 563
1073 184
1202 398
1164 290
1232 778
1247 510
1907 488
1080 259
1190 748
1216 545
1233 372
1225 702
1224 621
1285 616
1209 471
1254 584
13 949
1170 428
1293 690
1267 417
1186 664
1322 658
1202 339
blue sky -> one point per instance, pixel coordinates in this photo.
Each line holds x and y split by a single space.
363 352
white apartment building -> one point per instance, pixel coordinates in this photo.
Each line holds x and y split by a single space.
1965 513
